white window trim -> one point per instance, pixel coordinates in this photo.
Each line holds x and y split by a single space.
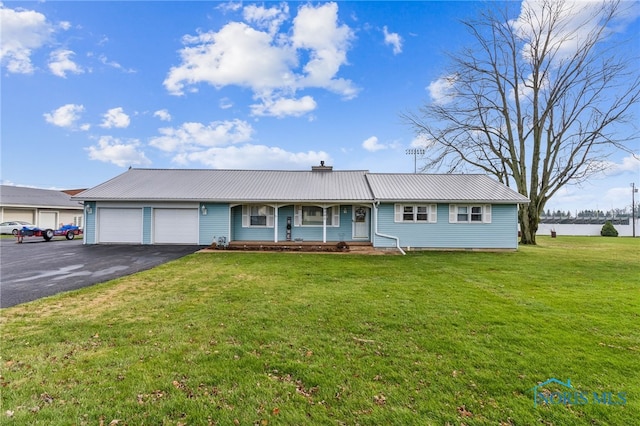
432 213
330 210
485 211
246 216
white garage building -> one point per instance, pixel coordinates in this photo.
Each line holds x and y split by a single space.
44 208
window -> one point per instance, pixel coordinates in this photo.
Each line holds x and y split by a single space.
424 213
257 215
407 216
77 221
469 213
476 214
463 214
312 216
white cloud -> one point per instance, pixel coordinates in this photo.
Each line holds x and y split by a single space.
236 55
113 64
163 115
421 141
230 6
120 153
269 62
316 29
372 144
253 157
193 136
574 23
270 19
442 90
115 117
608 168
60 63
225 103
284 107
22 32
393 39
66 116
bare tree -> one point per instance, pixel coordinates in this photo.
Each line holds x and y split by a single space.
539 102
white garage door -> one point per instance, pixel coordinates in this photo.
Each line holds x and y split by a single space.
12 215
175 226
48 220
120 225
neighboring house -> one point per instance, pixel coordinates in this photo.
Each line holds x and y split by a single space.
410 211
44 208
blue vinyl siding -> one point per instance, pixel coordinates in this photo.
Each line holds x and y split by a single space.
248 234
214 224
90 223
146 225
502 232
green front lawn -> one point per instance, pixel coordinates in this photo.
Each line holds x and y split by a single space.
282 338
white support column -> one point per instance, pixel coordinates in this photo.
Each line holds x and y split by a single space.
275 223
324 224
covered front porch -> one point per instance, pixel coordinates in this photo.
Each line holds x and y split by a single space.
300 223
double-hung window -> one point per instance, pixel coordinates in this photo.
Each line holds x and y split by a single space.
312 216
257 215
416 213
464 213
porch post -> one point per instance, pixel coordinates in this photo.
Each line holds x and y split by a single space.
275 223
324 224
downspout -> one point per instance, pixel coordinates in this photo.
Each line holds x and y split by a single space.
375 218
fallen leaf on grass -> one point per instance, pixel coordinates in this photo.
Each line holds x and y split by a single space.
462 410
380 399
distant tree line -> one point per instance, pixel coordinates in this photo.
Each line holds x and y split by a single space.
589 214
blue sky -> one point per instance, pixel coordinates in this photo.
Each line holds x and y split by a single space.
91 88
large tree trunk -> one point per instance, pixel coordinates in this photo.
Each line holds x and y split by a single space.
529 218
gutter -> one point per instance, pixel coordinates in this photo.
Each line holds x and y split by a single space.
375 231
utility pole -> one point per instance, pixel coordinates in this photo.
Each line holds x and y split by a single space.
633 207
415 152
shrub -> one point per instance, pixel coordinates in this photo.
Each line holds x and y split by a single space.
608 230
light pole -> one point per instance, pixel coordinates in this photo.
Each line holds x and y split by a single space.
633 207
415 152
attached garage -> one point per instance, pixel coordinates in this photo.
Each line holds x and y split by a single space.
120 225
175 226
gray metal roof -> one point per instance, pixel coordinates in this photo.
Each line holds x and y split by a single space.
232 185
441 187
20 196
303 186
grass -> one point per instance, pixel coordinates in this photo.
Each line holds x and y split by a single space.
270 338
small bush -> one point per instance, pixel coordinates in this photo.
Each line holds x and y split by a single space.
608 230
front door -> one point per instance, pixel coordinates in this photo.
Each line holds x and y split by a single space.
361 222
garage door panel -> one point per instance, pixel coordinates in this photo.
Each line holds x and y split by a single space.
11 215
120 225
175 226
48 220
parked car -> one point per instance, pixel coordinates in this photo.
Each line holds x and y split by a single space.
14 226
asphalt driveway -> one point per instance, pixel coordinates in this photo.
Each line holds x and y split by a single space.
35 268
